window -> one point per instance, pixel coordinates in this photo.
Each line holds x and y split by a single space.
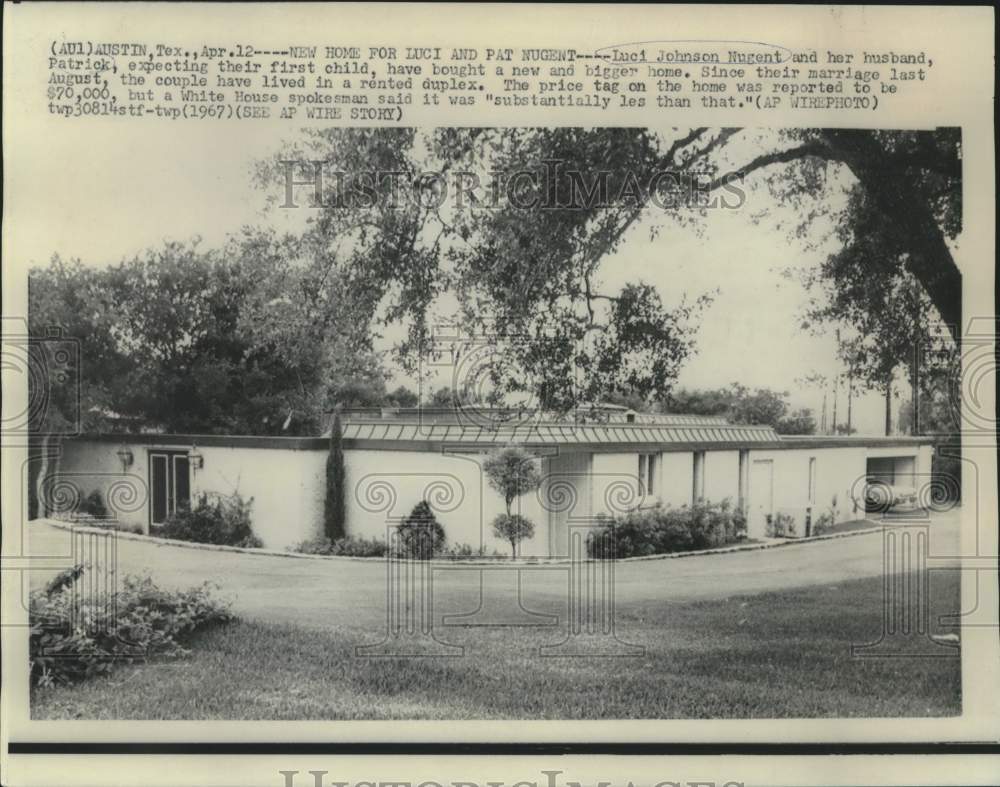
698 477
647 474
170 484
812 479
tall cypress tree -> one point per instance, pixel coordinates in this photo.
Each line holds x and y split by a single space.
334 512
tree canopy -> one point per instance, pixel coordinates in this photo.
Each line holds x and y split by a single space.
532 214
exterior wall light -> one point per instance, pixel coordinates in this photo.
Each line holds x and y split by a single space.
195 458
126 457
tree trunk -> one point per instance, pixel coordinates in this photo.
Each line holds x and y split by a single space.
915 391
892 190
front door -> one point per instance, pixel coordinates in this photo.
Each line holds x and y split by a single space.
761 497
169 484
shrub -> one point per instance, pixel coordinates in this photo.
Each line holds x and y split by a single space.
823 523
662 530
214 519
781 525
93 505
420 534
72 637
347 546
513 528
467 550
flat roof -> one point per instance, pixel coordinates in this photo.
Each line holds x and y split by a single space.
407 436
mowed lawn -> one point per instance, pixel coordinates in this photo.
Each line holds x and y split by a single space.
770 655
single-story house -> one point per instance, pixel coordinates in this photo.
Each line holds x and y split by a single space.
591 465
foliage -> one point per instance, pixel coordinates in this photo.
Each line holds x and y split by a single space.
421 536
93 505
347 546
823 523
513 528
528 272
463 550
402 396
259 337
201 341
781 525
512 472
69 303
664 529
214 519
335 504
442 397
799 422
739 405
72 638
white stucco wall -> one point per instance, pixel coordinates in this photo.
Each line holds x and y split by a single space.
384 486
840 478
90 466
566 497
287 498
287 486
722 476
676 478
615 483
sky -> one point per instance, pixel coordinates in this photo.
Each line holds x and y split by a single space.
142 187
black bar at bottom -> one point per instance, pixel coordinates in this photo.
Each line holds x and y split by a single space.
29 747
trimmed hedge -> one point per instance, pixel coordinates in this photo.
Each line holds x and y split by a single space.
348 546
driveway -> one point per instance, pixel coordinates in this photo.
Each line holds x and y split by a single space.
328 593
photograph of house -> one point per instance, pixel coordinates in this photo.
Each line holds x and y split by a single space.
345 447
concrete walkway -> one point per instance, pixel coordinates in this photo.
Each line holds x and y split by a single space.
341 592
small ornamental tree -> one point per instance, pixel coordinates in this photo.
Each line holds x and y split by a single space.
513 528
421 535
334 509
512 472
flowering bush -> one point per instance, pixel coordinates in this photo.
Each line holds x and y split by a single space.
74 636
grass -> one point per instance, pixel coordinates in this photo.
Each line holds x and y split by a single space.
852 525
774 655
